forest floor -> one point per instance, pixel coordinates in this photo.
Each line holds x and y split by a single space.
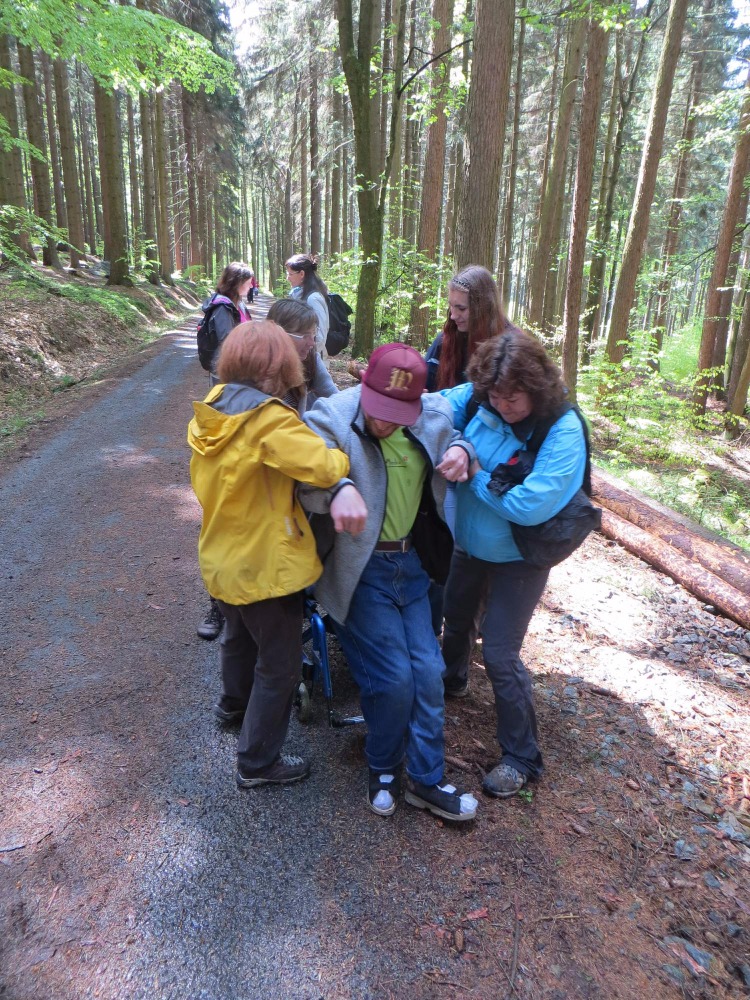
130 866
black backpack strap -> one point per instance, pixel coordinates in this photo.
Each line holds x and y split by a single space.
542 429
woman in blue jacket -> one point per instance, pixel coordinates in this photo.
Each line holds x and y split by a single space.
514 386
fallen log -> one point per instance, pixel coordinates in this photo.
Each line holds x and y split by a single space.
706 586
727 561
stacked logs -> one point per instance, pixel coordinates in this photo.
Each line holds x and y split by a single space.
713 569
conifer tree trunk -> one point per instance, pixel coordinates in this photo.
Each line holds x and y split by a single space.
549 220
671 238
428 241
161 146
624 94
372 190
336 173
85 161
485 133
39 169
11 164
737 179
316 207
304 230
741 348
194 253
109 135
68 156
593 84
646 185
346 229
506 256
149 191
135 194
61 214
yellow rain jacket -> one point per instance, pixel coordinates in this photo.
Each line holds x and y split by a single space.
248 450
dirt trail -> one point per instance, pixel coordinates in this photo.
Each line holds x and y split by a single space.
132 867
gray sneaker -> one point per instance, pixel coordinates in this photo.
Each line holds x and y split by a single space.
285 770
503 781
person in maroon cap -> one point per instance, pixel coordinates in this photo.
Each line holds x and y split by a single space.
388 527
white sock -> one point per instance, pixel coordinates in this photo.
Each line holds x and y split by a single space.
384 799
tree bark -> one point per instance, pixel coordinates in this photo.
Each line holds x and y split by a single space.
61 214
593 84
135 190
644 195
506 255
725 560
194 256
39 168
68 156
724 245
160 147
11 164
372 190
625 95
316 207
485 132
428 241
693 577
336 174
549 220
109 135
149 191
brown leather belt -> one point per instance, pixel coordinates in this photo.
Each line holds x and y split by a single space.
401 545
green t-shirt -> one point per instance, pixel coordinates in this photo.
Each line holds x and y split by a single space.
406 468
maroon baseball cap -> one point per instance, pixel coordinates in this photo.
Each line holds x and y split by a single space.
393 383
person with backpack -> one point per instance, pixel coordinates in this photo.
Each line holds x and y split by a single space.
515 390
222 312
301 273
300 323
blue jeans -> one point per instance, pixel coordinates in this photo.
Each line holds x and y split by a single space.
394 657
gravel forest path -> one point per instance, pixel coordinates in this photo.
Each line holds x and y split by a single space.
132 867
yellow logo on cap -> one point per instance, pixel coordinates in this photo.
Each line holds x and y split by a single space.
400 379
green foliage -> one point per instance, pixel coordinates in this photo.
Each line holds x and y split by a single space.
121 45
13 222
404 271
645 431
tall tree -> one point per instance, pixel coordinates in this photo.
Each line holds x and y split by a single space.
646 184
506 255
68 156
738 176
552 198
485 132
593 85
428 241
39 164
109 134
371 188
11 165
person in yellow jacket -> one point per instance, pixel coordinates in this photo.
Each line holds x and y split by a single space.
256 551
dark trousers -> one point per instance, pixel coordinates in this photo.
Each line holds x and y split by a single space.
512 592
261 659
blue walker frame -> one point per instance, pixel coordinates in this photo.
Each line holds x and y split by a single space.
316 669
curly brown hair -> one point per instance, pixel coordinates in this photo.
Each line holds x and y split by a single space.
486 319
517 362
260 353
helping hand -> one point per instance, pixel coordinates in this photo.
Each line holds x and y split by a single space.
455 465
348 510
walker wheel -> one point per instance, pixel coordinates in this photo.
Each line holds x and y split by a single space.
304 703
